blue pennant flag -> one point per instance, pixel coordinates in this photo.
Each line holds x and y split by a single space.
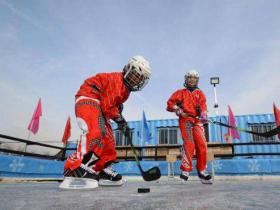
146 135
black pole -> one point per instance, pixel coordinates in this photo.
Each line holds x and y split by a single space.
221 130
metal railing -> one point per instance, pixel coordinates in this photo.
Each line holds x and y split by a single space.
153 152
59 156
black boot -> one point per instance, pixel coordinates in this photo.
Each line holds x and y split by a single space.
110 177
82 177
185 175
82 172
204 177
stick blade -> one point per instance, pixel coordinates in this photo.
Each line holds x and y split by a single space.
152 174
272 132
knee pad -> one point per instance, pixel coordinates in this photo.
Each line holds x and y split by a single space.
82 125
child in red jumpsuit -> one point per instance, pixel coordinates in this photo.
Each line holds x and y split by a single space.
99 99
189 104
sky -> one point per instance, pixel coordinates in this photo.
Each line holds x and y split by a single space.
48 48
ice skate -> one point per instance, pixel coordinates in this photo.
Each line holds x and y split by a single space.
109 177
204 177
80 178
184 176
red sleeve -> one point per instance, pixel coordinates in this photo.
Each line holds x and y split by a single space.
113 94
173 100
91 87
202 102
95 82
108 92
113 113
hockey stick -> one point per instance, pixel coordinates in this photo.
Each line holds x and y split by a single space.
267 134
150 175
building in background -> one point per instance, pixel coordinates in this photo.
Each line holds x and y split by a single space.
166 132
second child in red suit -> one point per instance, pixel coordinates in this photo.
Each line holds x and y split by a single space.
189 104
99 100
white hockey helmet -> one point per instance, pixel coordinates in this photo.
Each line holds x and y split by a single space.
191 79
137 73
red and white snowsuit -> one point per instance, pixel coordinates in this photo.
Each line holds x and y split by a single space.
191 128
97 101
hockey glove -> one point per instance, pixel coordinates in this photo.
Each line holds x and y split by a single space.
122 124
120 108
177 110
203 118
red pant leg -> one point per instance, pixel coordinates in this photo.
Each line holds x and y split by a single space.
109 153
93 140
188 146
200 147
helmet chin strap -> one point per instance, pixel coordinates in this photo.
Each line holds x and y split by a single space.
191 88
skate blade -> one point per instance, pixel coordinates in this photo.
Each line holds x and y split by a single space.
105 182
78 183
184 181
203 181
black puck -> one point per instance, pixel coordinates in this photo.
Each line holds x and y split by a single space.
143 190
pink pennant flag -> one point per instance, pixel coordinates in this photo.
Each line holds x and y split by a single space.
232 122
34 123
277 116
67 131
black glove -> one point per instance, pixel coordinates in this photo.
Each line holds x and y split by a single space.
120 108
179 104
122 124
198 110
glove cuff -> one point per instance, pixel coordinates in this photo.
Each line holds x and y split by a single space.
203 115
119 119
175 107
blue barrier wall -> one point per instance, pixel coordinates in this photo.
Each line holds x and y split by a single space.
19 166
23 167
258 166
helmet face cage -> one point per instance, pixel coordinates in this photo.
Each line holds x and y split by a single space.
135 77
189 77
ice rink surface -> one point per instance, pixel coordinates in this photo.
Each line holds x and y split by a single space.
164 194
